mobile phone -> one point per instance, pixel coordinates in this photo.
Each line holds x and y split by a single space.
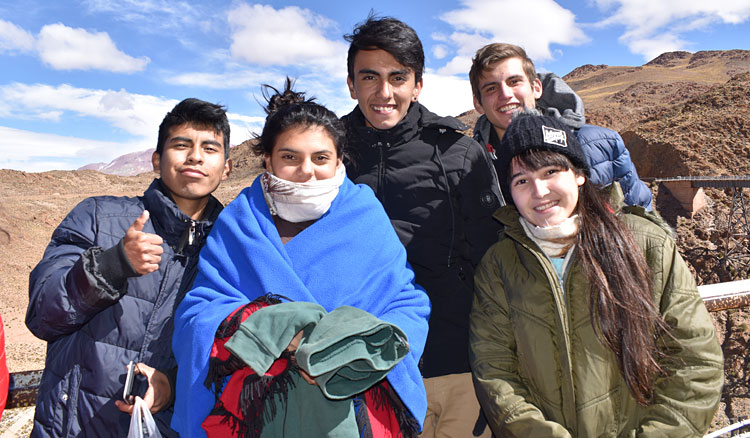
127 392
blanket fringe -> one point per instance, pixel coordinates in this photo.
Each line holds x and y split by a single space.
219 367
385 398
256 405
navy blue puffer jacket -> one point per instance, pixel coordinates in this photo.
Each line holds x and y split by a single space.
95 320
609 161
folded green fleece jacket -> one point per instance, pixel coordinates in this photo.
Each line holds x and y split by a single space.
347 350
265 334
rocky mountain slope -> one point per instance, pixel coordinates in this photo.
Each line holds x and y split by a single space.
620 97
125 165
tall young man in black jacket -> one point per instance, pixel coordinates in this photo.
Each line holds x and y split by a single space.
438 189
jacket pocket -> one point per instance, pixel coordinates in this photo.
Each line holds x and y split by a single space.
600 417
66 408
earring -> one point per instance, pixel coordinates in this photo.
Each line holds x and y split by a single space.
414 98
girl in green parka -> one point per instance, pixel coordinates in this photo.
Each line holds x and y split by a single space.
586 321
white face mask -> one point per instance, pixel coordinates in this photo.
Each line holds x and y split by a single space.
300 202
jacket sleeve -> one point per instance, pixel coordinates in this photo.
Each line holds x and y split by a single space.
478 198
504 397
610 161
686 399
636 191
75 279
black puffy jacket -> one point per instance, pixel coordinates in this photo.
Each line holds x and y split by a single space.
96 316
439 191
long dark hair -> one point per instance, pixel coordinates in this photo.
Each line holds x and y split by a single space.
620 281
287 109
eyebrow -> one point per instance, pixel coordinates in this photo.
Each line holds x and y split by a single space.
483 86
188 140
295 151
519 173
487 84
390 73
182 139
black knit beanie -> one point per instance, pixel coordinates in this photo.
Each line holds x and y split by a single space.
530 131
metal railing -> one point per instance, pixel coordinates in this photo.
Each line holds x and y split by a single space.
22 389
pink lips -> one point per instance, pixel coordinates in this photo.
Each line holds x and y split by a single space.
195 173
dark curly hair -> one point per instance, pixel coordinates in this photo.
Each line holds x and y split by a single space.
287 109
205 115
389 34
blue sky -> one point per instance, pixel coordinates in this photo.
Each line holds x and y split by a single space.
86 81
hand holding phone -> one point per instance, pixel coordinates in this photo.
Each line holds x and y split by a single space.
150 384
127 392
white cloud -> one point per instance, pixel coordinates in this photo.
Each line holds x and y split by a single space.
65 48
459 65
135 114
153 15
288 36
655 27
235 79
137 9
446 95
138 116
652 47
532 24
440 51
242 127
37 152
14 38
329 90
333 94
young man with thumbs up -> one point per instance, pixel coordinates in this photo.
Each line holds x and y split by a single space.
106 289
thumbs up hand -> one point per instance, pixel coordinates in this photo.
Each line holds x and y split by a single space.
143 250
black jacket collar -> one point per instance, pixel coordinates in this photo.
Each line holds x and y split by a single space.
169 221
417 118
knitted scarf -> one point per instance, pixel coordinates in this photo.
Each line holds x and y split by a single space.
350 256
555 240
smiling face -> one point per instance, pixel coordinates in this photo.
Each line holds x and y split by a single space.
303 154
504 89
546 196
383 87
191 166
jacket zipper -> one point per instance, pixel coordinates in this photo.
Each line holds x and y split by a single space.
381 172
191 233
562 314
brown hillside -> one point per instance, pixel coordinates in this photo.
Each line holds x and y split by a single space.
619 97
708 134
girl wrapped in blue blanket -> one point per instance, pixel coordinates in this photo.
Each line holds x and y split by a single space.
301 273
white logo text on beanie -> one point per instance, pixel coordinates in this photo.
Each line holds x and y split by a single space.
555 137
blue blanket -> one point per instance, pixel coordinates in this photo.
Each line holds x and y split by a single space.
350 256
